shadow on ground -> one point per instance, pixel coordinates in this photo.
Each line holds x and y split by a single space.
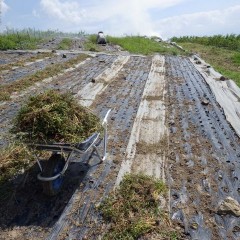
27 205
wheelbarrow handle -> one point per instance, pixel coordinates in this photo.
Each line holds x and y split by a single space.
106 117
104 124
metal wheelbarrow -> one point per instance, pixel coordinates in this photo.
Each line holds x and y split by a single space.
52 174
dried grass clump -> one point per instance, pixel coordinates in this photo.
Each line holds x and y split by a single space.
54 117
14 160
133 210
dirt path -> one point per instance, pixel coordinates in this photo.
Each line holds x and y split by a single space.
165 122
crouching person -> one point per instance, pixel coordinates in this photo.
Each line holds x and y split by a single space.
101 38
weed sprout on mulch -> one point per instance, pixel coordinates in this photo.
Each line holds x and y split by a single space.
53 117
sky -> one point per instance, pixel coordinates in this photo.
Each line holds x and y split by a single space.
163 18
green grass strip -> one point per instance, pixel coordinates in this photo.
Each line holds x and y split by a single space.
142 45
18 40
65 44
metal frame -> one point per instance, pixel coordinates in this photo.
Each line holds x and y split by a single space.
63 148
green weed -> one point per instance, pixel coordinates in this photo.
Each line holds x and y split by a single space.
18 41
65 44
92 38
91 44
142 45
236 58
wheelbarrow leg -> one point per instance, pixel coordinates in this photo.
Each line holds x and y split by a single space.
53 166
97 154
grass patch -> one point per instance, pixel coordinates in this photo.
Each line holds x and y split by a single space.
89 46
65 44
236 59
91 43
18 40
50 71
141 45
225 61
30 38
92 38
54 117
14 159
133 210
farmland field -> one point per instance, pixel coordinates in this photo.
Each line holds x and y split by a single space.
166 122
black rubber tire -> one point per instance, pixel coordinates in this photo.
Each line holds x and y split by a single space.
53 166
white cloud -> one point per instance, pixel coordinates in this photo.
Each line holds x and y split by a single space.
224 21
134 17
4 7
122 18
68 11
114 17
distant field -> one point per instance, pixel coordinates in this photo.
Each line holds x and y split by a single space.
138 45
222 52
141 45
30 38
230 42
